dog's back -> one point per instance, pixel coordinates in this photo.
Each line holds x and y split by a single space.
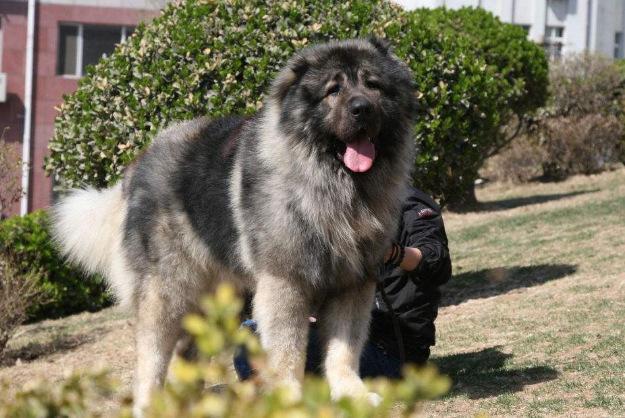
179 185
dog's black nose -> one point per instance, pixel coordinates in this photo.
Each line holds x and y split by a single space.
359 106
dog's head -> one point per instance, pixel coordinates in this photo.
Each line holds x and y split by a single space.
351 99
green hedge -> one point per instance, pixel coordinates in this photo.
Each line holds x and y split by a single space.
478 73
212 58
64 290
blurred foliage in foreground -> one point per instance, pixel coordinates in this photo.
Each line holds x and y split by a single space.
207 387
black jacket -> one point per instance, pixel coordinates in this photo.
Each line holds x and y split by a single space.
414 296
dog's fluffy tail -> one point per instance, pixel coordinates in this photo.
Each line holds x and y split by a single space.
87 225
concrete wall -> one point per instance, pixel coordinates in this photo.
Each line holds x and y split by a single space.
588 24
610 15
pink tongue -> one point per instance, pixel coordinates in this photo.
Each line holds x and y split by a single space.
359 155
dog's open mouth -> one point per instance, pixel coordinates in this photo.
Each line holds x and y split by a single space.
358 155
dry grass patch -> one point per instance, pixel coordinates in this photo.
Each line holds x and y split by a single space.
532 324
534 321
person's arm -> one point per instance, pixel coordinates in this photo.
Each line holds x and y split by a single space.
426 232
426 255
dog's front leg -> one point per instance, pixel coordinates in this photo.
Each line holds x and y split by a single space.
281 308
344 326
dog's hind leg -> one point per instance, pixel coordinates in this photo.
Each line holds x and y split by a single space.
281 309
158 328
344 326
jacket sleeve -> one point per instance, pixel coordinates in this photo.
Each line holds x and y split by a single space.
423 228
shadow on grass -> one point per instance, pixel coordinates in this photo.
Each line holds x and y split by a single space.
516 202
34 350
492 282
484 373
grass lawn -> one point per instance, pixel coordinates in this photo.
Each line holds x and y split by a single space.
532 324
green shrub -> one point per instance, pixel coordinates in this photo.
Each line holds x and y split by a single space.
475 73
212 58
63 290
217 332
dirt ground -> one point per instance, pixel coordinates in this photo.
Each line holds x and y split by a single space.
51 350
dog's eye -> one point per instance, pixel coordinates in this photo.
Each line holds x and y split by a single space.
373 84
333 90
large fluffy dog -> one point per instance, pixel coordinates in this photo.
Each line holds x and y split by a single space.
297 204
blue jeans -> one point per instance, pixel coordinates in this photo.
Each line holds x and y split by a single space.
374 361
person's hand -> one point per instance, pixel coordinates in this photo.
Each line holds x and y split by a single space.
412 257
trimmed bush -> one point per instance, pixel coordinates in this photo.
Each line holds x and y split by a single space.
479 72
63 290
216 58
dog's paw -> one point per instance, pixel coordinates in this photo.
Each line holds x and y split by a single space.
374 399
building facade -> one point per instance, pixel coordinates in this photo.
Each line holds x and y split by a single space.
562 26
66 36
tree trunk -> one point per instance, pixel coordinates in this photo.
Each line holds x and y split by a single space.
464 202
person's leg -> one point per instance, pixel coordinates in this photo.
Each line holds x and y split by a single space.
241 362
375 362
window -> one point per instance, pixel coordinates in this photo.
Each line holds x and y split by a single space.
554 41
553 50
81 45
526 28
618 45
68 50
554 32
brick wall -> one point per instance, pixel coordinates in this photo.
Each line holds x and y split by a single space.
48 88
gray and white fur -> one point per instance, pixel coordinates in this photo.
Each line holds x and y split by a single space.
266 203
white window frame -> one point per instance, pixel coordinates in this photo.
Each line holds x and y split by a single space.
618 47
554 44
123 35
551 33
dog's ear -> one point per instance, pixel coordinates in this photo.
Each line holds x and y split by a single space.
295 68
382 45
